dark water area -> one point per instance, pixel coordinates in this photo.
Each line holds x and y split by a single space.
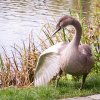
18 18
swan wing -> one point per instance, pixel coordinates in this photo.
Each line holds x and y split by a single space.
87 52
85 49
47 68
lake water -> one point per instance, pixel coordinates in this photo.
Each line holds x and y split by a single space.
18 18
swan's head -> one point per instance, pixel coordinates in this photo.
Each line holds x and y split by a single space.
63 22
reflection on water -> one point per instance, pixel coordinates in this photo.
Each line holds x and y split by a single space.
19 17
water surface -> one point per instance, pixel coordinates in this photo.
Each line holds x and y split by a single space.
18 18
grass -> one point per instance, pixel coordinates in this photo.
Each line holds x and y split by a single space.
66 88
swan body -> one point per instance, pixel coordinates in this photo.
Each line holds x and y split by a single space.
70 58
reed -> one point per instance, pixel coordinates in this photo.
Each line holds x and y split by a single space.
19 69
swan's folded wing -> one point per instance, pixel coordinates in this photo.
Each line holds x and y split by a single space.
47 68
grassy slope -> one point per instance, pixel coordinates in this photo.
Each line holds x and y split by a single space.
65 89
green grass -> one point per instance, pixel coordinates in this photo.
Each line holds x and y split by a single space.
66 88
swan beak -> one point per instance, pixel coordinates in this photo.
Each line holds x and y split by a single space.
56 31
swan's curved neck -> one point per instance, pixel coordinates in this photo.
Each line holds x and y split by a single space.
76 39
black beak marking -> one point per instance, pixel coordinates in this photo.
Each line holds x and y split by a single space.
56 31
